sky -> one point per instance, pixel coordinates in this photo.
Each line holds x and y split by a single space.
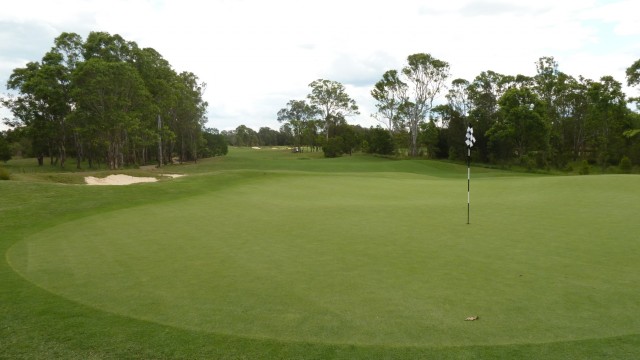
257 55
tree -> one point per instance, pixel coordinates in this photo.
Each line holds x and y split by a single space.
5 150
113 96
458 97
484 92
58 110
331 98
189 116
350 136
553 89
520 128
608 118
267 136
633 79
379 141
162 82
430 137
245 136
216 144
389 92
334 147
44 103
299 115
633 74
425 77
67 53
110 48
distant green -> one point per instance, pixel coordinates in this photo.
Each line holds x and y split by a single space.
268 254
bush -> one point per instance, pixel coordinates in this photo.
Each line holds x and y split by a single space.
528 162
625 165
584 168
4 174
380 142
333 148
5 149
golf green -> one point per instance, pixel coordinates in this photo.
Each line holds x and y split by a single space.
367 258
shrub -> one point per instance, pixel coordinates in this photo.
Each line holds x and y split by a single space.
584 168
453 155
380 142
5 149
4 174
333 147
625 165
528 162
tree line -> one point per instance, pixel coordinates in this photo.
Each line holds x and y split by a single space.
547 120
106 99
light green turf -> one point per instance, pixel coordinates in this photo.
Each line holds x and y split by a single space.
374 257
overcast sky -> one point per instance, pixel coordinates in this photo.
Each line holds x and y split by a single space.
257 55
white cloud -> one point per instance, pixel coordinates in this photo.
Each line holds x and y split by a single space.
257 55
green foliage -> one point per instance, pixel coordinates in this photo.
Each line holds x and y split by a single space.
585 168
633 74
520 127
300 119
5 148
246 136
331 100
334 147
631 133
351 137
625 165
430 136
101 98
426 77
380 141
216 145
390 94
4 174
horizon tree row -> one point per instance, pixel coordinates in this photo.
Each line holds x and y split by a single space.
320 121
549 119
106 99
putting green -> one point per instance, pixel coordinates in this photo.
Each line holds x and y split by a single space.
362 259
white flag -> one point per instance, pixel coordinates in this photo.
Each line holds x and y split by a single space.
470 139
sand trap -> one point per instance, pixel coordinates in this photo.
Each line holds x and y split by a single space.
119 179
122 179
173 176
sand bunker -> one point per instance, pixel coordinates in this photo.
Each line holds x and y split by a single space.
121 179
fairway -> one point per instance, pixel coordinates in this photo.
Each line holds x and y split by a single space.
363 258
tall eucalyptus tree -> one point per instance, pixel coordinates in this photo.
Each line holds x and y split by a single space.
425 77
333 101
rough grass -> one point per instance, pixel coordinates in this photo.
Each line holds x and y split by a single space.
353 258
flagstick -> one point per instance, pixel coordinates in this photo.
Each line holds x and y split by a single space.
468 183
469 141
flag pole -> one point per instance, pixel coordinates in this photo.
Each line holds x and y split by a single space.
469 141
468 183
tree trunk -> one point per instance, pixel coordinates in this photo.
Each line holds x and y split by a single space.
159 141
79 152
182 155
414 143
63 154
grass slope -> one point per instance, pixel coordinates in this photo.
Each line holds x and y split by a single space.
263 255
